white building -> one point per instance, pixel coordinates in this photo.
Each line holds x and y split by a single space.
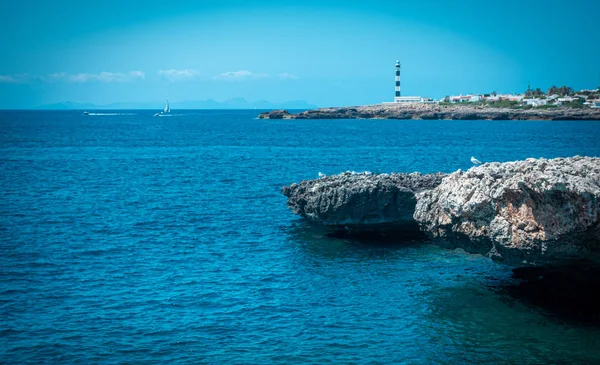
408 99
470 98
500 97
566 99
535 102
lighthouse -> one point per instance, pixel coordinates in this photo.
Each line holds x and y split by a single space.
397 79
404 99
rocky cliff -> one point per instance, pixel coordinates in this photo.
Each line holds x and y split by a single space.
434 111
531 211
525 210
360 200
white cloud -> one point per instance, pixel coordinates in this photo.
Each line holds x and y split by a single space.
179 75
55 76
15 79
103 76
240 75
116 77
80 77
107 76
287 76
139 74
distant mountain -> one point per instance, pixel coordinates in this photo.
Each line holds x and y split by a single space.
235 103
67 105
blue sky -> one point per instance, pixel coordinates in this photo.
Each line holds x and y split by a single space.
325 52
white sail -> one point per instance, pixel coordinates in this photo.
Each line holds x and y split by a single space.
167 108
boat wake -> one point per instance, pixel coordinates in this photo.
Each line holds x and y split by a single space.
98 114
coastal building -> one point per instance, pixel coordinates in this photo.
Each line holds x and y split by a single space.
408 99
535 102
566 99
499 97
470 98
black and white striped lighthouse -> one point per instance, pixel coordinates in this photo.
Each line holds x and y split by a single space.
397 79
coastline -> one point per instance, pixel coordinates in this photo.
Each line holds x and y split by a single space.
437 112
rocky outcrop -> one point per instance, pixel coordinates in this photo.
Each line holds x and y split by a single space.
533 211
526 211
435 111
360 201
278 114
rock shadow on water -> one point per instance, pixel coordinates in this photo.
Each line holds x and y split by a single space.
338 241
473 315
568 291
379 234
368 235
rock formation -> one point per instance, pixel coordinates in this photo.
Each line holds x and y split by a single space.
360 201
531 211
435 111
524 211
277 114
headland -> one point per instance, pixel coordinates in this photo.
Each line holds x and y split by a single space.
440 111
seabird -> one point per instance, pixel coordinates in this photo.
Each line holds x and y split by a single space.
475 161
321 174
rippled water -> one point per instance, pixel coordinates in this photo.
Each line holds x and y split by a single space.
133 239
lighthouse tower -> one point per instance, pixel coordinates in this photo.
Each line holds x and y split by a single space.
398 98
397 79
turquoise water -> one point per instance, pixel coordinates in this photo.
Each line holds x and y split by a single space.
133 239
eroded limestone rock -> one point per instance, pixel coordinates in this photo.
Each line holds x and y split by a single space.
359 199
529 211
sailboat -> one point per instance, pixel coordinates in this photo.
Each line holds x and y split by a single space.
166 111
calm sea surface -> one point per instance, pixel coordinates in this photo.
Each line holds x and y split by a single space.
132 239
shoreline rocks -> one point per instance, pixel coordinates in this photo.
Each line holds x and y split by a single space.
531 211
362 201
437 112
527 211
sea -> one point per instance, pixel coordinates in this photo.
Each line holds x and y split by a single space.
132 239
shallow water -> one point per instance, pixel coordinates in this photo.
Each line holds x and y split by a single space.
133 239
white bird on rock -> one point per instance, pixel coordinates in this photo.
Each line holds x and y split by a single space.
322 174
475 161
